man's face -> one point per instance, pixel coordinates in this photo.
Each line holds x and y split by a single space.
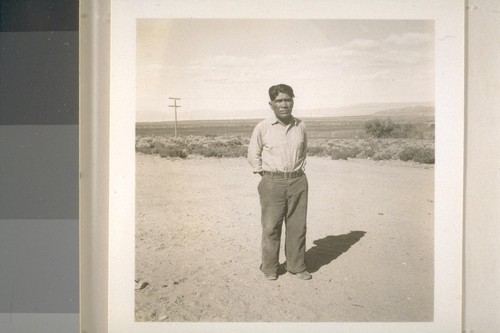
282 107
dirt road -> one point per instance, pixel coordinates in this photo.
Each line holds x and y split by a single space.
370 243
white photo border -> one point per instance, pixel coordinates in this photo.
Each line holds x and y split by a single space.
448 16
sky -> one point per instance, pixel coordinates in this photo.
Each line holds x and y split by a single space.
223 68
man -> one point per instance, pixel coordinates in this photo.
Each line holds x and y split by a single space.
277 152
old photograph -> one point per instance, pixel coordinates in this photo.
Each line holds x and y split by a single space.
285 170
286 167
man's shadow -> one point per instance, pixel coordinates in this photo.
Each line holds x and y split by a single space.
327 249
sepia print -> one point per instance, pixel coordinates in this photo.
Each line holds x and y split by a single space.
377 94
365 91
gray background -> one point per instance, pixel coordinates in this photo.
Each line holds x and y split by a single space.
39 250
39 229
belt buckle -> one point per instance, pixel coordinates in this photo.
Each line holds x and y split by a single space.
287 175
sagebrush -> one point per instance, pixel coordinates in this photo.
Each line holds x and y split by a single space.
416 150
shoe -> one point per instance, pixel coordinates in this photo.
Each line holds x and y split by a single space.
271 276
304 275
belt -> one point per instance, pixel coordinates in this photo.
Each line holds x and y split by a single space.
283 175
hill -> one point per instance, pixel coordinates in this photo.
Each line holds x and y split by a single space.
361 109
367 109
410 111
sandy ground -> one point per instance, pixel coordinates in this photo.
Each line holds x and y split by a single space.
370 243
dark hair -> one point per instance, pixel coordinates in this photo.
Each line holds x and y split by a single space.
280 88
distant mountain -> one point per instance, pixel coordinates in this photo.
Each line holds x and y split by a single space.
410 111
372 109
369 109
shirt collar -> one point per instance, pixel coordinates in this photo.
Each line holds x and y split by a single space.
273 121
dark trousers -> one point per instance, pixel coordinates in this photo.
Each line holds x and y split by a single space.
283 200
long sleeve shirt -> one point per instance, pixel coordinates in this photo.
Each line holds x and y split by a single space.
275 146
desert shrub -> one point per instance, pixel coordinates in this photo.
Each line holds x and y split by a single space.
366 153
162 146
149 145
208 146
418 154
383 155
317 151
421 151
379 129
218 146
407 131
170 151
343 153
220 151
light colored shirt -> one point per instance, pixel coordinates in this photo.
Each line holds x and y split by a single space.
275 146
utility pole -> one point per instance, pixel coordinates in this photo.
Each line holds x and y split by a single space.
175 106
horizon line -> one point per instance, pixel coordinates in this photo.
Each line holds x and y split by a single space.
261 118
311 109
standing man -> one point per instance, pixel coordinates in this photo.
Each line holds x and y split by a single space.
277 152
